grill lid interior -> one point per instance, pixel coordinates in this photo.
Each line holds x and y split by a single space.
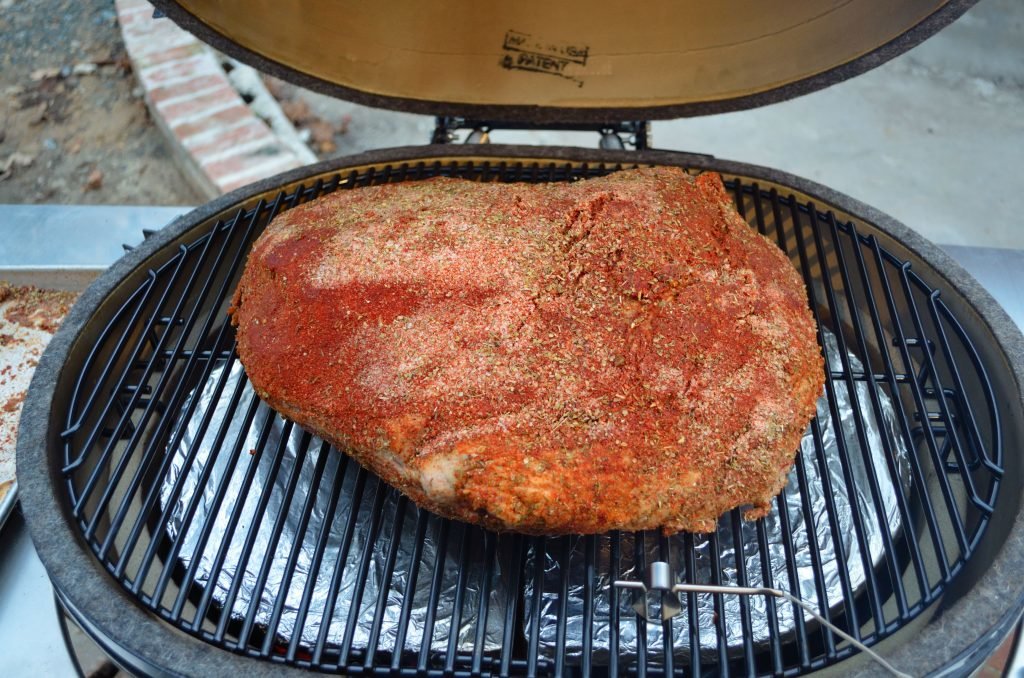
579 60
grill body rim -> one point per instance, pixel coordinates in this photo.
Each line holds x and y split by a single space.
112 612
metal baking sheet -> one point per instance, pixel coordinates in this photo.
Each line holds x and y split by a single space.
20 348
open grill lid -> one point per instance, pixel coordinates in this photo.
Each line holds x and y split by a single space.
571 61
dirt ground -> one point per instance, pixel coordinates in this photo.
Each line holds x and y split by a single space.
73 125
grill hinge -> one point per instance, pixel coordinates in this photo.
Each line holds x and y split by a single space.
634 134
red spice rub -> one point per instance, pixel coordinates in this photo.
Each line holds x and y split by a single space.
619 353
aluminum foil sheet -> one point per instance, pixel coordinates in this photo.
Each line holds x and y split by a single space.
815 524
276 462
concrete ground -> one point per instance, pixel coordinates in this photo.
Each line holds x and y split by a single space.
934 138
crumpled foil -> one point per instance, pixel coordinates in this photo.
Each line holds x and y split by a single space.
295 457
815 462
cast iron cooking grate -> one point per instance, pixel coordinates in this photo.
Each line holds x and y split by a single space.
169 336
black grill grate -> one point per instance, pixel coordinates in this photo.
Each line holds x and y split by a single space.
170 333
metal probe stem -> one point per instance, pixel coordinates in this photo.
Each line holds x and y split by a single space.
776 593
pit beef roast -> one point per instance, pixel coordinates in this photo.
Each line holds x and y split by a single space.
618 353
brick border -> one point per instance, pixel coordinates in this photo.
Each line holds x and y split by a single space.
216 139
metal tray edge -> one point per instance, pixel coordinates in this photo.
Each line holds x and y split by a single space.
70 278
8 503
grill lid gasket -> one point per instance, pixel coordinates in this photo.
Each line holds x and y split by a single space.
108 609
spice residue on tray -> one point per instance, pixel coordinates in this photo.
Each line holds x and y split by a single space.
34 308
28 318
13 403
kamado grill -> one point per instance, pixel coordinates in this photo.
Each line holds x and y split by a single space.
191 530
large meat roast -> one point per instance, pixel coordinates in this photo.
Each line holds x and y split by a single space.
618 353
